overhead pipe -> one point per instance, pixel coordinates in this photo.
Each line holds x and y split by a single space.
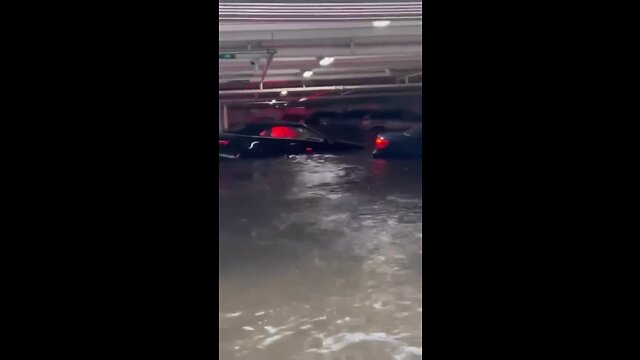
317 18
320 88
244 52
405 49
314 12
296 69
295 101
272 53
407 77
295 26
326 76
405 62
411 49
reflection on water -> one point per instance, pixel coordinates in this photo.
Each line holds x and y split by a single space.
320 258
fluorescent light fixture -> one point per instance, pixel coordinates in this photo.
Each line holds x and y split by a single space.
381 23
307 73
302 99
284 92
326 61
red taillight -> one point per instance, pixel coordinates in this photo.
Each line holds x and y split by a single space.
223 142
381 142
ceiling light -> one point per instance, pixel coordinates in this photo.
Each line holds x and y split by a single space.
284 92
381 23
307 74
302 99
326 61
273 101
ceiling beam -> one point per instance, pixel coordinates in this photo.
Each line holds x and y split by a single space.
332 33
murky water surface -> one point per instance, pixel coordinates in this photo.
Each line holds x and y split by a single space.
320 258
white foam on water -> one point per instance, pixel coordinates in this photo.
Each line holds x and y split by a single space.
408 353
273 330
341 341
234 314
270 340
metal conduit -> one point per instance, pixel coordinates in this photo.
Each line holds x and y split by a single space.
320 88
319 99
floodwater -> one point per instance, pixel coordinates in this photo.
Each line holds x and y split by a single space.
320 258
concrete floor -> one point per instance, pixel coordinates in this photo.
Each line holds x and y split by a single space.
320 258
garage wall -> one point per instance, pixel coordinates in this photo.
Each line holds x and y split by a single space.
239 116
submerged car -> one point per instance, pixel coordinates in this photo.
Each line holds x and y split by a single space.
277 139
399 144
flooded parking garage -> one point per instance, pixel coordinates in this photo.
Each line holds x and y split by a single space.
320 258
320 255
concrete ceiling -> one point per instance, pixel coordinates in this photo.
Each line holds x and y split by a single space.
275 43
318 10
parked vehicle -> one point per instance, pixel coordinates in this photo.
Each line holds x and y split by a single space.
382 120
293 118
261 119
389 120
321 119
276 139
399 144
353 118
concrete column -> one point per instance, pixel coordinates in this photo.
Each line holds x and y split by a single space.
225 118
220 126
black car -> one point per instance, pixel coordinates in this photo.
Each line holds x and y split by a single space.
376 120
293 118
276 139
321 119
399 144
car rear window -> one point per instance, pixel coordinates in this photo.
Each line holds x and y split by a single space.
282 132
